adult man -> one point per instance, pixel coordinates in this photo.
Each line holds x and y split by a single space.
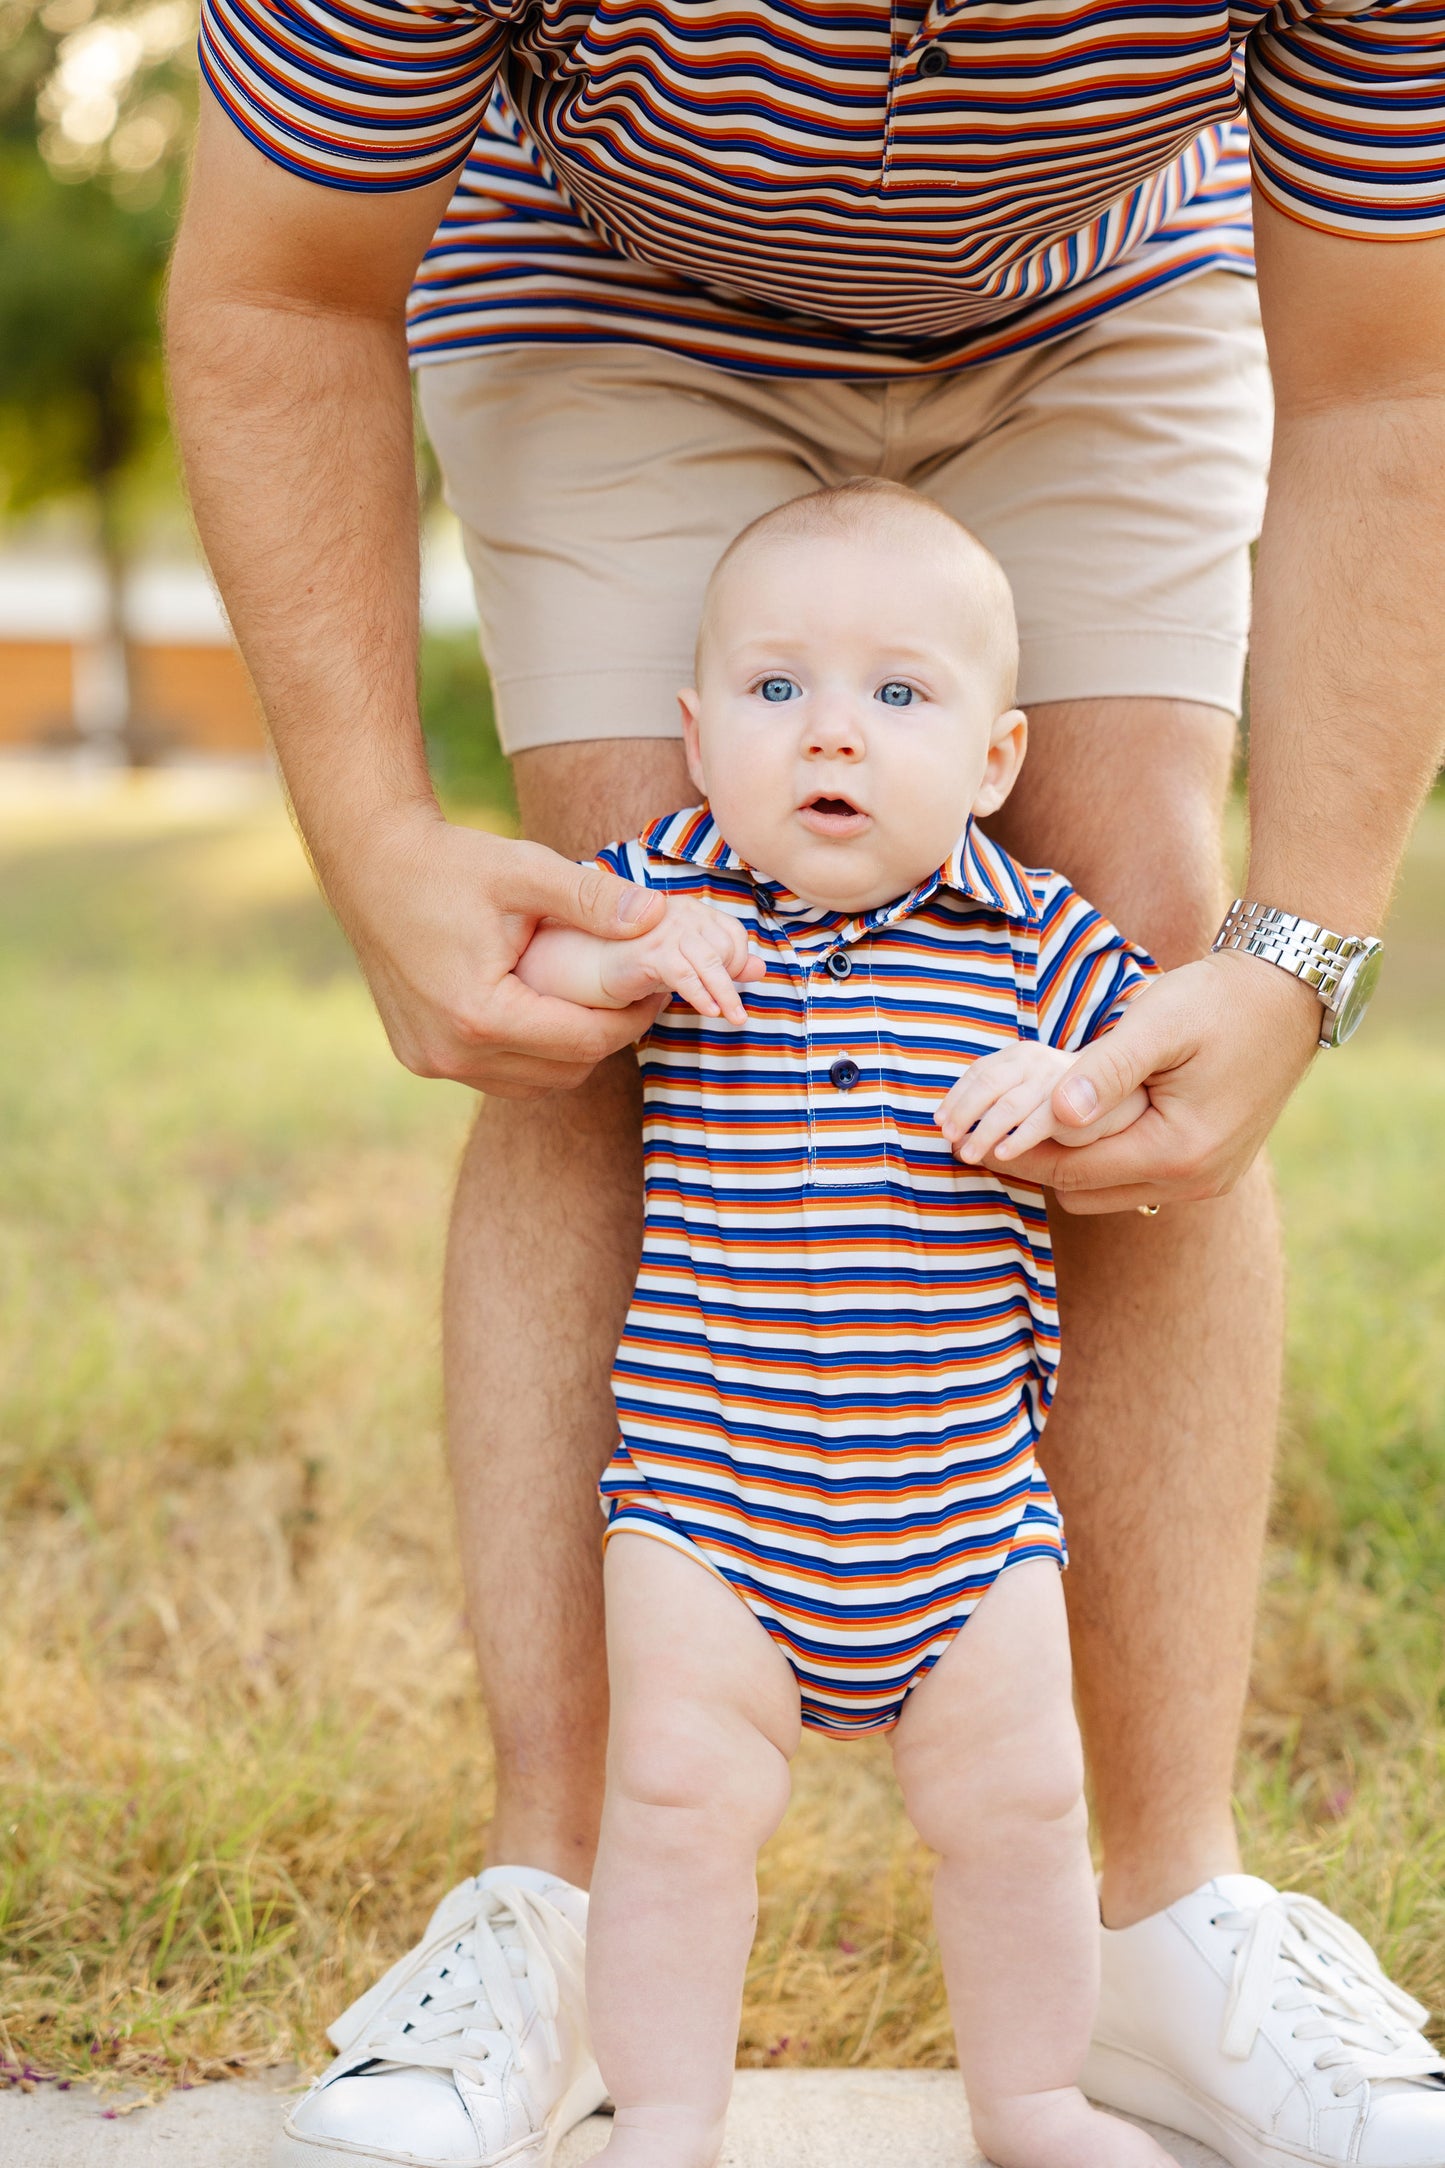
705 256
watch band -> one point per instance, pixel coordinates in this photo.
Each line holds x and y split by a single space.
1308 952
1339 968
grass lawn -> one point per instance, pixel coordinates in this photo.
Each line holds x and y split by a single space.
241 1751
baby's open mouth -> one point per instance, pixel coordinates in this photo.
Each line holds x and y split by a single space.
830 816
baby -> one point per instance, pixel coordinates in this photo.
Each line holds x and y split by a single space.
843 1340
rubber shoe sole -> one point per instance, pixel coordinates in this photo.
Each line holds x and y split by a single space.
295 2149
1116 2079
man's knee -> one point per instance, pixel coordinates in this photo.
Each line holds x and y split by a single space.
1175 913
1126 797
546 1219
594 1130
578 797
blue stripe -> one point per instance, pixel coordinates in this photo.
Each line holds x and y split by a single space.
902 1383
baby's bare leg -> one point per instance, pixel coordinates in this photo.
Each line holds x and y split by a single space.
704 1723
988 1756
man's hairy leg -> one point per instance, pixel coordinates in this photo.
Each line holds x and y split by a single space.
545 1234
1161 1441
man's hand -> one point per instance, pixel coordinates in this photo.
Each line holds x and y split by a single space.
1220 1045
1003 1107
439 920
1347 661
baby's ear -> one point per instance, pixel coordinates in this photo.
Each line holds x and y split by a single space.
691 740
1007 743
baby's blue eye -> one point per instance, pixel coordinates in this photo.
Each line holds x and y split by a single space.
895 694
778 688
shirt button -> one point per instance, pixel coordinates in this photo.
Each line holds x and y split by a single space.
840 964
933 60
844 1073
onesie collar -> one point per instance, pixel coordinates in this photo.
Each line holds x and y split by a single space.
976 867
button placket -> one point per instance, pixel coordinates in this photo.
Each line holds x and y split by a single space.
828 1089
774 925
918 53
904 23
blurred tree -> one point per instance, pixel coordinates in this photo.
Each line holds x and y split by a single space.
94 104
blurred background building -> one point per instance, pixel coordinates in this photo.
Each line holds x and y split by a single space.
60 684
152 674
113 645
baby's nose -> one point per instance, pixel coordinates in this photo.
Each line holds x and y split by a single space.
835 734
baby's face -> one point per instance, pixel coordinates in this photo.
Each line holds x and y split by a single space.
847 716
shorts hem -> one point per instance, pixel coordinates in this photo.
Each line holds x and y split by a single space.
1203 668
581 707
577 707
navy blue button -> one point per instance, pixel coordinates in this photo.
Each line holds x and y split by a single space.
933 60
844 1073
840 963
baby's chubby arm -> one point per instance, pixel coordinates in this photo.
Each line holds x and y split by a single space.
693 951
1001 1107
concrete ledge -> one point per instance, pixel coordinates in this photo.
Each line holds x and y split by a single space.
779 2119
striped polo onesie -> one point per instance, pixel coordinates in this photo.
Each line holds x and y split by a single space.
838 188
842 1343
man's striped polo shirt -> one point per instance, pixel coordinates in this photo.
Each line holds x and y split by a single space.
842 1344
839 187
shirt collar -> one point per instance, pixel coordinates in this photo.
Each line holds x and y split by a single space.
976 867
985 872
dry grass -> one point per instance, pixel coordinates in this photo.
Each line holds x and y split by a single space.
240 1746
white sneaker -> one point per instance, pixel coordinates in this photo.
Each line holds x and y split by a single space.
1262 2025
472 2050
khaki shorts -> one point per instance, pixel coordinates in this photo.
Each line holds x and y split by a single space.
1118 475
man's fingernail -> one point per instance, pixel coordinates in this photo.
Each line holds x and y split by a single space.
1082 1097
632 903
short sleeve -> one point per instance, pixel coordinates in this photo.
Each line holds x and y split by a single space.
1088 973
1346 106
372 95
630 862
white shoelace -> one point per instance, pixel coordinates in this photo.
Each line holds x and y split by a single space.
453 2001
1299 1958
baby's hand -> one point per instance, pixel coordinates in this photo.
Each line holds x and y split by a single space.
1002 1106
693 951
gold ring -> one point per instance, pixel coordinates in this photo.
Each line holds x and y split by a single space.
1149 1210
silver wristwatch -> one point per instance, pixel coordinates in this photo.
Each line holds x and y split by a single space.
1340 967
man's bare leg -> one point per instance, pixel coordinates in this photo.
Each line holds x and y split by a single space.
546 1230
1161 1442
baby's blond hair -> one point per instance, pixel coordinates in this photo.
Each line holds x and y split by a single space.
866 504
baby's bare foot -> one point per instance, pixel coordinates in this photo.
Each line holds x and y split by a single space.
1061 2130
661 2137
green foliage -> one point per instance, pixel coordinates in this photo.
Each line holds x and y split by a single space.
80 399
94 105
461 733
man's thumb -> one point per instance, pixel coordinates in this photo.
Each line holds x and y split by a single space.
592 899
1108 1071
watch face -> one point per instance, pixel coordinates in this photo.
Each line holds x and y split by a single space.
1359 984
